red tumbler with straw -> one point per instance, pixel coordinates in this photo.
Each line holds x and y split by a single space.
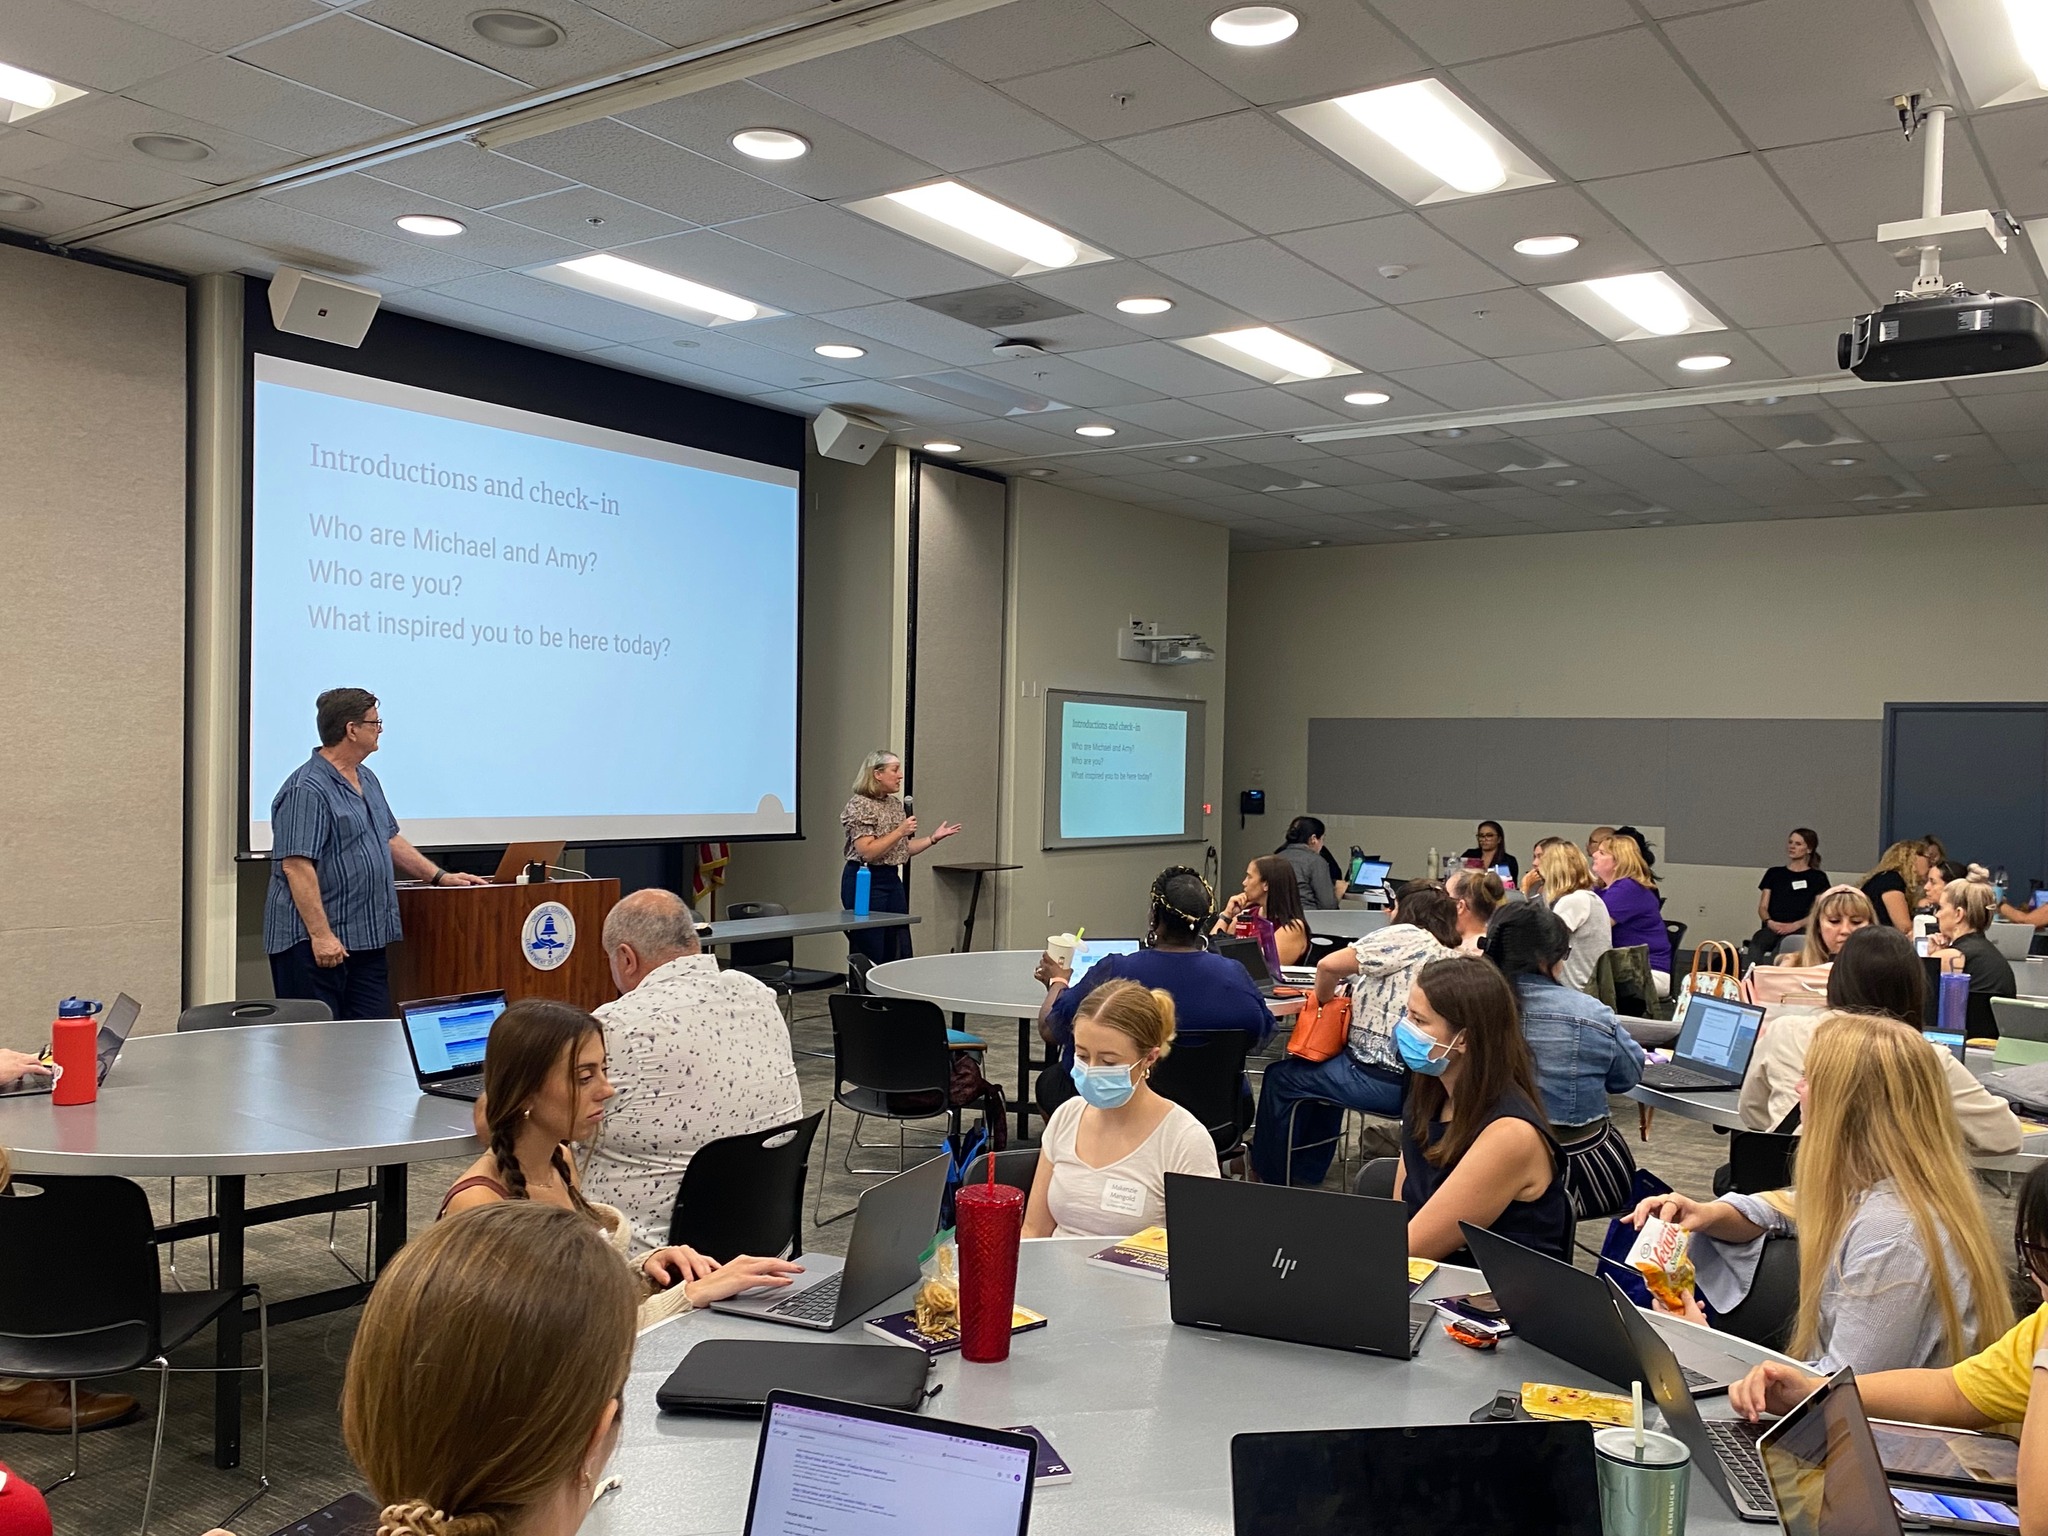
989 1225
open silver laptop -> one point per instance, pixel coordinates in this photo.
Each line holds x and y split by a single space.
2012 940
115 1028
892 1226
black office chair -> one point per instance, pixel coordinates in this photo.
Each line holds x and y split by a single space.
1016 1168
80 1299
1979 1022
1204 1075
1676 933
1376 1178
773 961
1760 1161
890 1061
1767 1313
745 1194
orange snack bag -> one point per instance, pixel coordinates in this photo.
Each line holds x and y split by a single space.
1661 1254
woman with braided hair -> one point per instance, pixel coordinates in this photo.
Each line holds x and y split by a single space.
544 1090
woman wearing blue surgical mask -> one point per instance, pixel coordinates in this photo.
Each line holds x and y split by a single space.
1103 1161
1475 1144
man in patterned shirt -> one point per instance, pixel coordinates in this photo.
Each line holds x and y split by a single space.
695 1053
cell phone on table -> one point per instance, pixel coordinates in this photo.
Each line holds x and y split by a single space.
1478 1308
1954 1512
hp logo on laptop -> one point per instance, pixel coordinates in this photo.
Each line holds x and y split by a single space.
1281 1262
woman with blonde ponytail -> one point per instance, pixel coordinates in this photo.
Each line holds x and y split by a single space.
1103 1161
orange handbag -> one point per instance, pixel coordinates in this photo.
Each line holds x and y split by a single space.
1321 1029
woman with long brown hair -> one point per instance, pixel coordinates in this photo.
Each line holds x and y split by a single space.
1475 1145
1837 912
1268 908
545 1090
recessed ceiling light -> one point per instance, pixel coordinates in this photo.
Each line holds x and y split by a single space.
1144 306
959 219
1419 140
1415 120
1267 354
429 224
1317 543
1704 362
1445 534
840 350
23 93
2029 22
1655 522
1635 306
1766 400
1095 430
1448 432
771 144
1187 458
613 277
1941 458
1367 397
941 447
17 202
515 29
1038 474
1843 463
1564 485
172 146
1547 245
1254 26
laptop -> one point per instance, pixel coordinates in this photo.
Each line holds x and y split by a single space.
892 1227
1564 1311
1306 1266
1512 1479
1713 1048
446 1038
1246 952
827 1468
2022 1029
519 855
1724 1450
2012 940
1369 874
115 1028
1091 952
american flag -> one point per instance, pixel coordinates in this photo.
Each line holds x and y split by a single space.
711 861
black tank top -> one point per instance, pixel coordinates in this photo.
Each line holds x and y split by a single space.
1544 1224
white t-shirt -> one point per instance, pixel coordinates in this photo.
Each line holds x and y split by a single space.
1129 1195
1585 914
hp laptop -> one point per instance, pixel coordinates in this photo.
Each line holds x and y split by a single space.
892 1226
1724 1450
1564 1311
1091 952
829 1468
1308 1266
1533 1479
446 1037
1246 952
115 1028
1713 1048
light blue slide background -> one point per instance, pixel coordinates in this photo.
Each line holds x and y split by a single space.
1123 770
705 561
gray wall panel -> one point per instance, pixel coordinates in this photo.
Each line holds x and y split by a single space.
1737 787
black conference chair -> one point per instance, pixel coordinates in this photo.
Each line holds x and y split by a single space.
773 961
1204 1075
890 1061
1376 1178
1768 1312
80 1299
745 1194
1016 1168
1760 1161
1979 1022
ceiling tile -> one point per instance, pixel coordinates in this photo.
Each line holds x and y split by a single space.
2011 139
893 92
2006 413
1072 333
1704 211
614 158
374 205
1161 366
699 20
1509 323
677 369
1490 226
860 250
571 308
58 211
1274 409
1132 91
1762 62
798 334
1568 101
1883 276
175 246
1587 372
592 43
1483 29
1472 386
132 182
358 61
1063 378
1263 280
106 124
1781 288
306 240
1249 168
1001 43
1850 186
1177 418
215 25
1436 266
1097 287
1341 47
1882 418
729 349
1104 200
462 173
1379 340
1683 439
591 218
917 329
265 107
449 310
87 48
707 256
1805 350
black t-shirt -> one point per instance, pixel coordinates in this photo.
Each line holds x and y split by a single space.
1793 892
1990 972
1876 886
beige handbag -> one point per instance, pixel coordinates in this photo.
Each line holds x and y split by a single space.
1716 972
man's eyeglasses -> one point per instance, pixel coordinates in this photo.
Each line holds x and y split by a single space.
369 725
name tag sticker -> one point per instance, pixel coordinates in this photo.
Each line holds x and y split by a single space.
1798 885
1120 1197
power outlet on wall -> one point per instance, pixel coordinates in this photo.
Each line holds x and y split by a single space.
1048 909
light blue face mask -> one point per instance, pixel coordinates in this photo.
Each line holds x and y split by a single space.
1104 1087
1415 1048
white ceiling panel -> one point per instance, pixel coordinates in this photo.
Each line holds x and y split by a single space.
1277 410
894 92
131 182
614 158
1484 29
1706 210
1805 350
85 47
1585 373
1746 359
1176 419
730 349
859 249
709 256
1490 226
2008 413
1570 102
1681 440
1510 323
1251 169
1380 340
799 334
592 43
1764 63
1072 333
1263 280
1472 386
474 178
1064 379
429 304
306 240
699 20
1098 286
675 367
374 205
993 46
55 213
1436 266
1132 91
1107 202
917 329
359 61
2011 140
1781 288
1163 367
591 218
570 308
181 249
266 107
1341 47
105 125
215 25
1850 186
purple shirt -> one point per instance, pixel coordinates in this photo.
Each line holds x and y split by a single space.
1638 920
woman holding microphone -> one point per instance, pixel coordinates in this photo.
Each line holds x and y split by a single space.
882 834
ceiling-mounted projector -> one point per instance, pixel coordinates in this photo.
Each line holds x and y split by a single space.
1939 330
1141 640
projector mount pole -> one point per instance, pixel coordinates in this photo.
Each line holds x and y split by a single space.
1934 117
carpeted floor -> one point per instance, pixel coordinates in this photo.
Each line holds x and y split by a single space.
307 1464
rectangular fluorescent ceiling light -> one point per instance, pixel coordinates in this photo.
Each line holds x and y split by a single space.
613 277
1420 142
2000 48
1269 355
1636 307
23 93
977 228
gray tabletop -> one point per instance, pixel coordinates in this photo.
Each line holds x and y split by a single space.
797 925
1142 1410
1346 922
2032 975
996 982
268 1098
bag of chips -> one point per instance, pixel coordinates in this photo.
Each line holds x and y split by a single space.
1662 1255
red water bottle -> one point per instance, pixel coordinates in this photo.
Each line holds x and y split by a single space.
75 1048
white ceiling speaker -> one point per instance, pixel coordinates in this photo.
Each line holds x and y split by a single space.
850 439
325 308
1018 347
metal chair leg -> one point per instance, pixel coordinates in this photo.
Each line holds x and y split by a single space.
156 1451
50 1488
360 1276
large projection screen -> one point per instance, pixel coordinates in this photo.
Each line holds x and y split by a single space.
575 633
1122 768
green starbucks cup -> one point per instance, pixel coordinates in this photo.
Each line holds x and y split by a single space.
1642 1489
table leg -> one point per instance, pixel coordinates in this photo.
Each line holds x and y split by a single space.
229 1191
390 1213
967 928
1024 1027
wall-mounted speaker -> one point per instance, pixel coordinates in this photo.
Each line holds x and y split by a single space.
325 308
852 439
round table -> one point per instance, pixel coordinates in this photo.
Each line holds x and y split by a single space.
995 983
265 1098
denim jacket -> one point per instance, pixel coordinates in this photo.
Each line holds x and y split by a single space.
1582 1052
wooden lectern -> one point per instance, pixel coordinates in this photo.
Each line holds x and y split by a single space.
472 938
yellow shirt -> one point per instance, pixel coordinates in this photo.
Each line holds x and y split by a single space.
1996 1380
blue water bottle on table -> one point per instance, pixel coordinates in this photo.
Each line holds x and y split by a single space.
1953 1007
863 882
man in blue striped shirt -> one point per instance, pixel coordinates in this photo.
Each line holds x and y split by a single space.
335 854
